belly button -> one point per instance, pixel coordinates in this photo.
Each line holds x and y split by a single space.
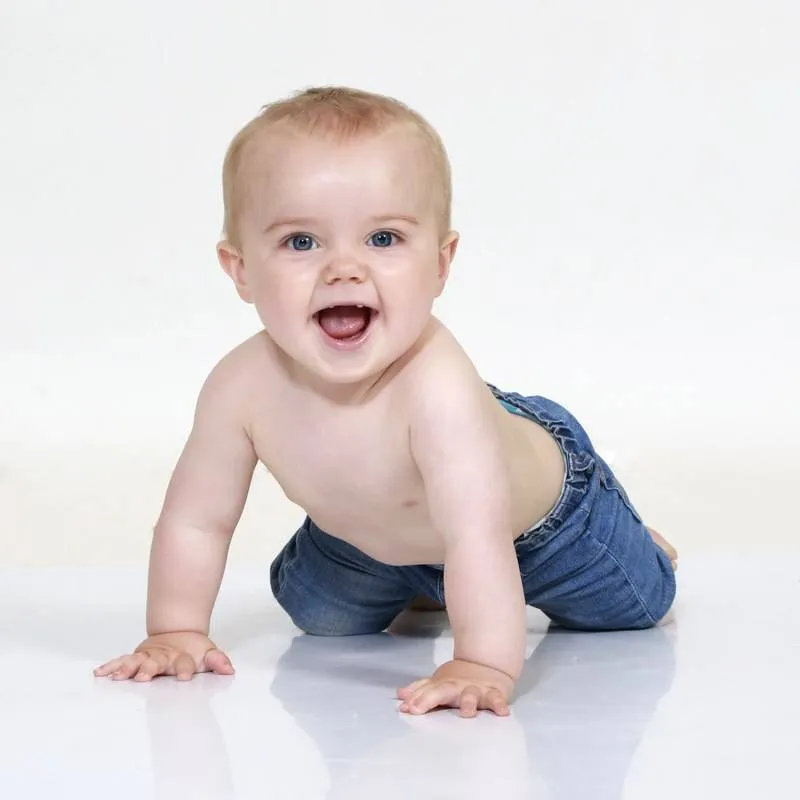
410 503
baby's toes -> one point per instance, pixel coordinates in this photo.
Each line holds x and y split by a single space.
665 546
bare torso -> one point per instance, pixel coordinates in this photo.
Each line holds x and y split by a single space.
349 466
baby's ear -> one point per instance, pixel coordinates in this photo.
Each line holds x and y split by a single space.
447 252
230 259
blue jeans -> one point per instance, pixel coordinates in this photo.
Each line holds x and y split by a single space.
589 565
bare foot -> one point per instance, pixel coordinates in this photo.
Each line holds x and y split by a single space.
665 546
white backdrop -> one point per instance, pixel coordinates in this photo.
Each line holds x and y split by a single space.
626 187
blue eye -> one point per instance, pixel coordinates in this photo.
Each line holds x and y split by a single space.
301 241
382 239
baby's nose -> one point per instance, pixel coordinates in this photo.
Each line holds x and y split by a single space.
346 268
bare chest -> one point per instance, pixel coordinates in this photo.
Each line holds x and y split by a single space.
353 474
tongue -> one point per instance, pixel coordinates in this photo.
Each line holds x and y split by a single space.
343 322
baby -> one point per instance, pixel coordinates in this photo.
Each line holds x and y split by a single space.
421 482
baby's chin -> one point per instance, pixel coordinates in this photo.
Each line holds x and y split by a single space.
345 385
320 369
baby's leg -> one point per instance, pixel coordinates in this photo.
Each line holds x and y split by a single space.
603 569
330 588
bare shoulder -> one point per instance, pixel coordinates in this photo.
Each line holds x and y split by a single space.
441 372
233 379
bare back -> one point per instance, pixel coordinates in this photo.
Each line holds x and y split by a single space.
350 465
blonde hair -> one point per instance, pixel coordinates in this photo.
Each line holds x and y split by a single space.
339 112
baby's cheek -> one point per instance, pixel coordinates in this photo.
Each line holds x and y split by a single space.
280 298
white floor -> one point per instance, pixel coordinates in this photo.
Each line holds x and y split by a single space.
708 706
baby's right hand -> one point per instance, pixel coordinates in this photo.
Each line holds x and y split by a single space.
182 654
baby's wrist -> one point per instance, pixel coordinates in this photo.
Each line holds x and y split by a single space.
496 675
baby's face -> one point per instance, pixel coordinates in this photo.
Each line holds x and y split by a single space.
341 249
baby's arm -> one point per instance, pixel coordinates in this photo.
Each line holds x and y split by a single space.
203 504
458 451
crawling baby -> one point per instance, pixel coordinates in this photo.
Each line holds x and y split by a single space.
421 481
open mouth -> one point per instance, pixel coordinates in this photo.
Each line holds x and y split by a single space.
346 324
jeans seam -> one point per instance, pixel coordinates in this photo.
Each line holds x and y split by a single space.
632 585
623 496
611 483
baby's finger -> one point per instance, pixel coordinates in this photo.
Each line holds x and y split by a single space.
218 662
494 701
184 667
130 666
155 663
411 694
109 667
433 696
415 695
407 691
470 699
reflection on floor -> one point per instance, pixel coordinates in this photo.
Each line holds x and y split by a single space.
705 706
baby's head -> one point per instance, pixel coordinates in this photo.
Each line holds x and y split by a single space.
335 199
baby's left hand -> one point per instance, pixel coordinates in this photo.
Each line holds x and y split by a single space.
459 684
